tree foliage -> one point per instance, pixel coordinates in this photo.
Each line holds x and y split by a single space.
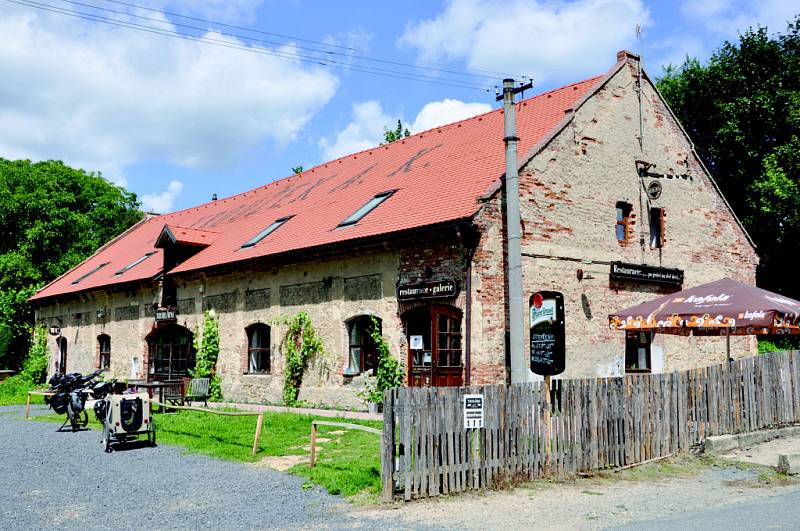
391 135
742 110
51 218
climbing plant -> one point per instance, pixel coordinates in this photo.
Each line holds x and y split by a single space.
302 342
35 365
206 347
389 373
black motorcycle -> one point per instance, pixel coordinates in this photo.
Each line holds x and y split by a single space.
70 397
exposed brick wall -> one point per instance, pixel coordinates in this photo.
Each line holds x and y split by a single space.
568 196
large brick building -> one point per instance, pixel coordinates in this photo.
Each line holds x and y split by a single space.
615 204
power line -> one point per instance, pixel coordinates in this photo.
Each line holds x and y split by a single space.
488 73
226 44
264 41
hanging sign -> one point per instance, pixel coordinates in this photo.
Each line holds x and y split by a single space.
473 411
55 330
165 314
427 290
547 333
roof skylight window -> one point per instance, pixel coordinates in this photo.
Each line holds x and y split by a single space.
134 263
371 205
266 232
90 273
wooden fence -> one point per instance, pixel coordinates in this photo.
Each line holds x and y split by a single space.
591 424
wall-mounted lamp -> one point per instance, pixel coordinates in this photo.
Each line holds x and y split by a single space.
643 167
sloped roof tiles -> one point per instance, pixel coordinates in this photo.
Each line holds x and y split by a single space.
439 176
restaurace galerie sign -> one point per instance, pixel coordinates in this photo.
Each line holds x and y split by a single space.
645 273
427 290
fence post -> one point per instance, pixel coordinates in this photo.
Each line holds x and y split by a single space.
548 446
28 405
388 447
259 423
313 444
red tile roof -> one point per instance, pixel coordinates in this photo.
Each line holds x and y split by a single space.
438 174
189 236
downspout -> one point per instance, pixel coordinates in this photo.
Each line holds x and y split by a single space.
466 238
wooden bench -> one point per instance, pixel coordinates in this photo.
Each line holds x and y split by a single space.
191 390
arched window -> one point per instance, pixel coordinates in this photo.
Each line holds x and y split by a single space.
362 351
171 353
258 349
104 347
61 364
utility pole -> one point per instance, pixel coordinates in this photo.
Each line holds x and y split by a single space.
519 369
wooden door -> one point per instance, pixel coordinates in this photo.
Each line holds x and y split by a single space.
439 361
447 359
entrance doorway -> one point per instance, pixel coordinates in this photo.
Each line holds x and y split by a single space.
171 353
434 346
62 354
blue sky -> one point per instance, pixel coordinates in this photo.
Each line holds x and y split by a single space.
175 120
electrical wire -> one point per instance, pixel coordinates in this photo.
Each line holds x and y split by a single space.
489 73
287 55
264 41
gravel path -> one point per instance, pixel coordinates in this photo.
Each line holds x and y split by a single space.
65 481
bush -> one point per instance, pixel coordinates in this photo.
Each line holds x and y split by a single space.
14 390
389 373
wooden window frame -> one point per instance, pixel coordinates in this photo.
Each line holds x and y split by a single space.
104 357
259 351
625 221
366 346
633 341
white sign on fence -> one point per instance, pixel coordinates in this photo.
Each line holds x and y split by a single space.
473 411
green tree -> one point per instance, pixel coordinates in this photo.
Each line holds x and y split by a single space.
51 218
390 135
742 110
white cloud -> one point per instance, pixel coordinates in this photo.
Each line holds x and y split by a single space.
726 18
365 130
162 203
550 40
103 97
446 111
366 127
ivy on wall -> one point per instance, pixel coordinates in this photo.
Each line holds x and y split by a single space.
300 345
206 347
389 373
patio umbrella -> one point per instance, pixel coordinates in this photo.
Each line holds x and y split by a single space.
724 307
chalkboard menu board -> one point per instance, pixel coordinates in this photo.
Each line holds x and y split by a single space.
546 310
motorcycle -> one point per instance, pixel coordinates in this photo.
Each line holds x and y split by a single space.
70 397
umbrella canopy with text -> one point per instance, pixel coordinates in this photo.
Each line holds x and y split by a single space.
722 307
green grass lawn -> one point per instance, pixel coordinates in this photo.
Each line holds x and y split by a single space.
347 464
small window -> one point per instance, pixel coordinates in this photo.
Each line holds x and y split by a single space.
656 228
134 263
371 205
637 351
104 346
90 273
362 353
258 349
622 227
266 232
